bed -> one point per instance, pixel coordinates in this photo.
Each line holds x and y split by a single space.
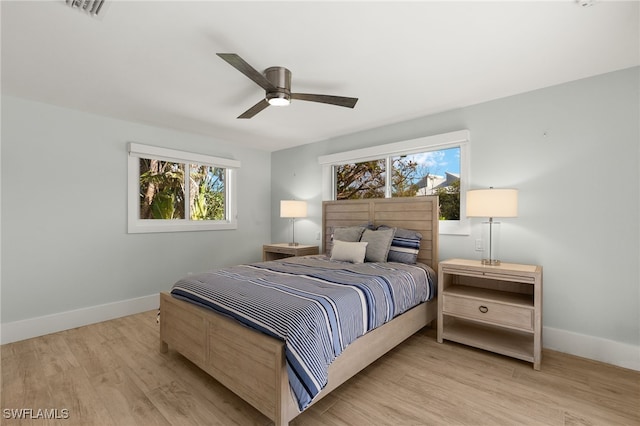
254 365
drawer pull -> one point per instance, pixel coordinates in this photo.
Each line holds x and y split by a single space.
483 309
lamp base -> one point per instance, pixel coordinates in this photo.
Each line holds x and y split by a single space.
294 244
490 262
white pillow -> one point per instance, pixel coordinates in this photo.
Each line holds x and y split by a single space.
348 251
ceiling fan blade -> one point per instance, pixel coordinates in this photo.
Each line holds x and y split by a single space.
238 63
326 99
255 109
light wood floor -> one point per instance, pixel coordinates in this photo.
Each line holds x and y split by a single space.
112 374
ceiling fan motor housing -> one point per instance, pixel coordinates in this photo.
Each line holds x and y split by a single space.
280 77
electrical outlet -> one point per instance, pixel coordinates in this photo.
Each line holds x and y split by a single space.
479 245
318 236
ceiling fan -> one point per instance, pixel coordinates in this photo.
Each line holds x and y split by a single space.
276 81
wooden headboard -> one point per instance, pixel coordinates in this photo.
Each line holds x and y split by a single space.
415 213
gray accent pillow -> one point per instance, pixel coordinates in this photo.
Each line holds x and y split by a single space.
348 251
347 233
379 243
350 234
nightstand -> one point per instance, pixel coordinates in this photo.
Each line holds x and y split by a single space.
496 308
282 250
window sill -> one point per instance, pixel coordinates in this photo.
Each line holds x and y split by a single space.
148 226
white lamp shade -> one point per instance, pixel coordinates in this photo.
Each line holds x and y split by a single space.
492 203
293 208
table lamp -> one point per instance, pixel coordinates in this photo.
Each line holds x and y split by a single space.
492 203
293 209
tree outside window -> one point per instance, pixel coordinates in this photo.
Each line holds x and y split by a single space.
434 172
207 192
163 187
360 180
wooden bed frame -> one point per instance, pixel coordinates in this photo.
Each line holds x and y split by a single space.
252 364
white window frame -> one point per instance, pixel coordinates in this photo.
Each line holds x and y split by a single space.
137 225
460 138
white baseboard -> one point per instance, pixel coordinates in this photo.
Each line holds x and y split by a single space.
39 326
596 348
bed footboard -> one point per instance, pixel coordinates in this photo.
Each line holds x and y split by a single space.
250 364
253 365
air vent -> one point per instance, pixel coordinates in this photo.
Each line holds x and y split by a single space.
92 7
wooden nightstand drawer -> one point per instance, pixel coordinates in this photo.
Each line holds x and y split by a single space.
276 249
489 311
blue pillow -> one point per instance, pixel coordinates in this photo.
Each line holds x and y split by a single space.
404 246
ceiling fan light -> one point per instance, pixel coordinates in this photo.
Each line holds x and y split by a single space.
279 100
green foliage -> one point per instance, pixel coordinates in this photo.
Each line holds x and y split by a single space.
163 206
161 190
208 201
449 201
200 209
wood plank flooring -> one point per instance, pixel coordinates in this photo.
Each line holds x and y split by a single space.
111 373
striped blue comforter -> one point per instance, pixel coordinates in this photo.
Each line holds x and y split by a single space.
315 305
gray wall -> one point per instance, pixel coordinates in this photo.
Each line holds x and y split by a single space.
573 152
64 212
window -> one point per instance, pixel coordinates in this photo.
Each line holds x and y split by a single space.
435 172
173 190
434 165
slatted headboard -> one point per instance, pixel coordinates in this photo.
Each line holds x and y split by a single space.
415 213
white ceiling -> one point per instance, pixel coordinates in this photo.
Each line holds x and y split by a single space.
154 62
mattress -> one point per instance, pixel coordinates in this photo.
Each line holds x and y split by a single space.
315 305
